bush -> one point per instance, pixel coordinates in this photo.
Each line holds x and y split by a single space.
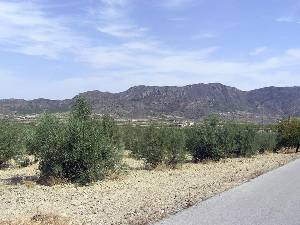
244 139
47 139
157 145
203 140
228 140
130 137
151 146
111 131
81 150
175 146
288 134
265 141
10 141
215 140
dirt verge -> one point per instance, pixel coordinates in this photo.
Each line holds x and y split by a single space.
140 197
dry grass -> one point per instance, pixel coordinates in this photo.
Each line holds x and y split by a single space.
40 219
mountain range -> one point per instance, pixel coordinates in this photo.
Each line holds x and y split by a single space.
189 102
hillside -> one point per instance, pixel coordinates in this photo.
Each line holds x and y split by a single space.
191 102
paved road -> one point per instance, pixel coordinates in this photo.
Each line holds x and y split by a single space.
271 199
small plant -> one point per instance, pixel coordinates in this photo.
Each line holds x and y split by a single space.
10 141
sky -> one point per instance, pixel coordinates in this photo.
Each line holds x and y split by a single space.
56 49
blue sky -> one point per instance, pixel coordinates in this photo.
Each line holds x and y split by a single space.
56 49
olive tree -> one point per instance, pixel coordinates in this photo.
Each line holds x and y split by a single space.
81 149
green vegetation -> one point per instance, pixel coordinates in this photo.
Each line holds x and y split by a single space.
130 136
203 140
288 134
11 142
83 149
214 140
175 146
159 145
265 141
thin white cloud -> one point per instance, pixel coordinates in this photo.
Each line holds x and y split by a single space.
185 63
288 20
204 36
114 21
138 56
162 69
142 45
171 4
133 59
285 19
17 87
178 19
115 2
258 51
27 29
122 30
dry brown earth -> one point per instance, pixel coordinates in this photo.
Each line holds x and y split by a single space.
138 197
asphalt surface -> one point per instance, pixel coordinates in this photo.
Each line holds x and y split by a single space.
271 199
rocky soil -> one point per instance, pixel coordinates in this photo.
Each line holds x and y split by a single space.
138 197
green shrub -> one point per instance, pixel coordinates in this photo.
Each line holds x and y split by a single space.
214 140
10 141
158 145
245 138
227 139
132 137
91 151
81 109
151 146
48 137
175 146
111 131
265 141
203 140
288 134
81 150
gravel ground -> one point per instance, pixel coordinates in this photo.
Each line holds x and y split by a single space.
139 197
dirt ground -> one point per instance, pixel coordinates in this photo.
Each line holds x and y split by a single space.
138 197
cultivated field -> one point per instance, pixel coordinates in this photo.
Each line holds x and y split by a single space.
137 197
87 170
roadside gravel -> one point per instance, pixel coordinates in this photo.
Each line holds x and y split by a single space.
139 197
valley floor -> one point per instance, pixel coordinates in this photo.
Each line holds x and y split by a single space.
138 197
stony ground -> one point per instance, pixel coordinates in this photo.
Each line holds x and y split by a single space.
139 197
